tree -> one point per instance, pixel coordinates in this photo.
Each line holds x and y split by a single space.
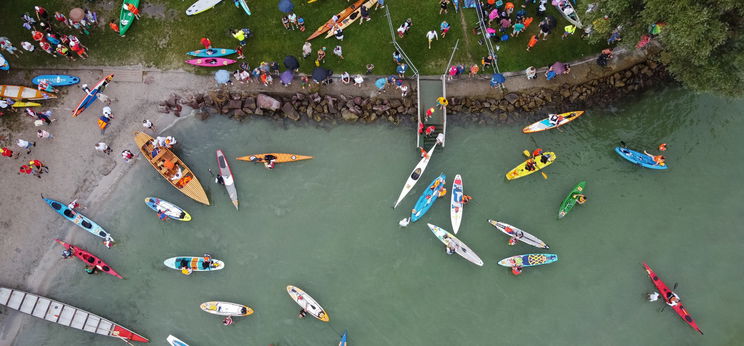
702 40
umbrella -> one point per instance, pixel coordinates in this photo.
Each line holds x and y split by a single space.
286 77
380 83
320 74
286 6
498 78
551 21
558 67
76 14
222 76
291 62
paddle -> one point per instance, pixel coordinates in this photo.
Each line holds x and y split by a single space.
665 305
528 154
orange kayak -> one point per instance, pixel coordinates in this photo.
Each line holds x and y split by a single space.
280 157
341 16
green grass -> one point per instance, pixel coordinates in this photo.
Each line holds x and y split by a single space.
161 40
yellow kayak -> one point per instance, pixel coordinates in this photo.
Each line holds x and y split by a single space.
280 157
520 170
26 104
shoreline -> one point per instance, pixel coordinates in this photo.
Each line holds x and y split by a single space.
78 171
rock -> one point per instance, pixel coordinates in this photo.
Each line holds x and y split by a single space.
249 103
565 92
310 112
400 109
358 101
408 102
349 116
511 97
163 109
290 112
258 111
619 84
238 113
201 115
235 104
371 118
395 103
267 102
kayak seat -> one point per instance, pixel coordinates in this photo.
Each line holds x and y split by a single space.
56 206
86 224
68 213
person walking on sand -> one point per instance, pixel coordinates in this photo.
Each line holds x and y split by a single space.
358 80
103 147
25 144
431 35
43 134
147 124
26 170
531 72
5 152
127 155
40 166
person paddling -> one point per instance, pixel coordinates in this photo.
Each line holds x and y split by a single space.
162 216
269 161
516 269
580 198
227 321
659 160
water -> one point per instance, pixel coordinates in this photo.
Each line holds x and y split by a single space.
327 226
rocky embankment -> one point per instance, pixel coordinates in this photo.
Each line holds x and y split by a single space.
509 107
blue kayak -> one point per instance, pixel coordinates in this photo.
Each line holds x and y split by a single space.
343 339
79 219
640 159
428 198
6 65
212 52
56 79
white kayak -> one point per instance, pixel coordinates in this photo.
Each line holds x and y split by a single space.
415 175
460 247
201 6
227 177
456 203
174 341
307 303
518 233
226 308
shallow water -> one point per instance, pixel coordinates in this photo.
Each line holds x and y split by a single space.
327 226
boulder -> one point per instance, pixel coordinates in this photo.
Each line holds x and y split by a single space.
267 102
349 116
290 112
201 115
235 104
511 97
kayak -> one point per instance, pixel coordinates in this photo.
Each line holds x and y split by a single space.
545 124
91 97
17 92
89 258
640 159
171 210
245 7
518 233
664 291
79 219
307 303
126 18
210 62
211 52
460 247
519 171
56 79
227 177
413 178
174 341
66 315
529 260
201 6
280 157
343 339
428 198
570 201
196 264
341 16
25 104
226 308
357 14
456 203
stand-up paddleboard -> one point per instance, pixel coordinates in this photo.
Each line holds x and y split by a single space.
201 6
171 210
639 158
343 339
546 124
245 7
126 18
56 79
529 260
226 308
307 303
211 52
91 97
196 264
210 62
571 200
174 341
456 203
227 177
460 248
413 178
518 234
79 220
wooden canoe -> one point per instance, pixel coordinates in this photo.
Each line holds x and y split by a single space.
66 315
188 184
280 157
353 17
341 16
20 92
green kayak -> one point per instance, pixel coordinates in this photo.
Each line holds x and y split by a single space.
125 17
570 200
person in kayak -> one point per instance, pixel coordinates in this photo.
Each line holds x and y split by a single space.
672 299
579 197
185 269
435 185
442 192
219 180
530 165
207 260
423 152
659 160
269 161
449 246
544 158
653 296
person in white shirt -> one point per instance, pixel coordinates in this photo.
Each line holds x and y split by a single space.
431 35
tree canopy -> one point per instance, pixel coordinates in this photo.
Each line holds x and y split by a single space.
702 40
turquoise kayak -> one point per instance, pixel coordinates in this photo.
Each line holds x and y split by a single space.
212 52
79 219
428 198
244 5
637 158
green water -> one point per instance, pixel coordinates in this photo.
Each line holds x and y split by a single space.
327 226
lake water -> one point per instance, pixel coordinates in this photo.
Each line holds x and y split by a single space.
326 225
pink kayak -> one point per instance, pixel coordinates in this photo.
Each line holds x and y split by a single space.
211 62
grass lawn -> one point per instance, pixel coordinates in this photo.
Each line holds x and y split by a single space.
165 33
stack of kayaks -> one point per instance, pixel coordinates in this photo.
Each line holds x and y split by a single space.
341 16
169 209
89 258
518 234
212 52
307 303
639 158
520 171
570 201
428 197
460 248
79 220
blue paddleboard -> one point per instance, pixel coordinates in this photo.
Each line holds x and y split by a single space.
640 159
56 79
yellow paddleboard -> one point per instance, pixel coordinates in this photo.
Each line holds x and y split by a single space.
26 104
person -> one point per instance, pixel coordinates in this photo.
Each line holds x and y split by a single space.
662 147
285 22
339 34
555 119
530 165
44 134
25 170
423 151
103 147
321 56
206 42
131 8
60 18
162 215
659 160
227 321
466 199
401 70
568 30
403 28
219 179
653 296
338 51
443 6
292 18
516 269
66 253
429 113
442 101
90 269
580 198
449 246
5 152
442 192
307 49
430 130
672 299
370 68
545 28
185 269
27 46
345 78
25 144
531 72
380 4
444 28
302 313
127 155
404 89
207 260
487 61
474 70
532 42
518 29
113 25
269 161
105 119
358 80
301 24
397 57
431 35
73 205
149 125
239 35
364 11
550 73
544 158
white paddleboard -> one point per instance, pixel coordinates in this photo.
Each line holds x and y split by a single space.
519 234
460 247
201 6
415 175
174 341
307 303
456 204
226 308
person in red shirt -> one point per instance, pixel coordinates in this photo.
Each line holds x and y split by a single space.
6 152
114 26
61 18
206 42
131 8
41 13
25 170
45 46
38 36
39 166
430 130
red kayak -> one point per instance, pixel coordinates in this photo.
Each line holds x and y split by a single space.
667 294
90 259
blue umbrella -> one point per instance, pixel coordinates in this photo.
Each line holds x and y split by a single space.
222 76
380 83
286 77
498 78
286 6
